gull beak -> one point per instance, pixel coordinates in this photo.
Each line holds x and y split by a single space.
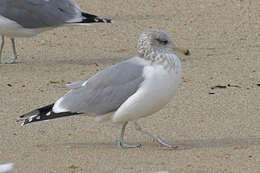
182 50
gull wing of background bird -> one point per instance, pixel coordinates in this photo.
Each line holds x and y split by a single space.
6 167
101 94
41 13
26 18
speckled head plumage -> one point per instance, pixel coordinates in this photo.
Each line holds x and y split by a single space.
153 42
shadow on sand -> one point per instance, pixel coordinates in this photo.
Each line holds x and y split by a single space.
182 144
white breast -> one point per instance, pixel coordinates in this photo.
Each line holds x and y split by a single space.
155 92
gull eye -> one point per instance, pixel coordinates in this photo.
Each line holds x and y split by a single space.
163 42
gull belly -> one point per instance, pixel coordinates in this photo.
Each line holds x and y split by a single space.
154 93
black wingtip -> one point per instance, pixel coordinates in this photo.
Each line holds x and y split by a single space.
35 115
90 18
43 113
26 121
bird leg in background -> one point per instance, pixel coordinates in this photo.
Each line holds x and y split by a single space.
11 60
157 138
1 47
125 145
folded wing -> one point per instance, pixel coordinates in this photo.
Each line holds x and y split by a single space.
104 92
40 13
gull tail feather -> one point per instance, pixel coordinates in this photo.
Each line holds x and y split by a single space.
43 113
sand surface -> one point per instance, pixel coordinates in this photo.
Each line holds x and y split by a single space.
217 130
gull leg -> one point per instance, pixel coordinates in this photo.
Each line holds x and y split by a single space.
11 60
14 50
157 138
125 145
2 47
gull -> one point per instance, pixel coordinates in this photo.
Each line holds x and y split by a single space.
6 167
127 91
27 18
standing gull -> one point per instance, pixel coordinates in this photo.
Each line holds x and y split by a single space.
124 92
26 18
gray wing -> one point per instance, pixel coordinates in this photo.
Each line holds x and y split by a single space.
107 90
39 13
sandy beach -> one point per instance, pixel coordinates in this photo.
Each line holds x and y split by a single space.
214 117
